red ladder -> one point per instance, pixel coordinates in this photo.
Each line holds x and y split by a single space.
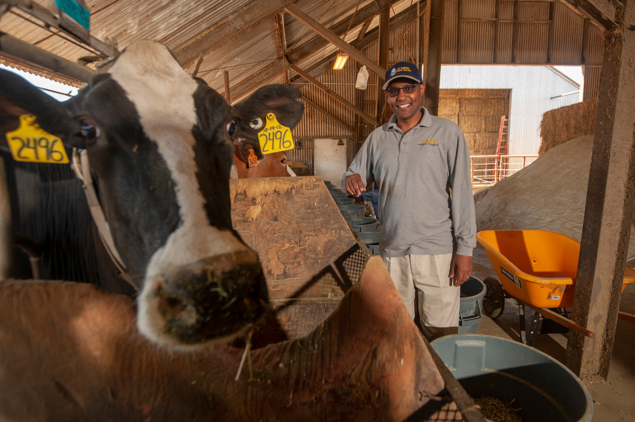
501 149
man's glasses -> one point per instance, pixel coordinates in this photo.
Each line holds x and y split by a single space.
408 89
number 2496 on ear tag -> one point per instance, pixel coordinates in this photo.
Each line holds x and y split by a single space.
275 137
30 143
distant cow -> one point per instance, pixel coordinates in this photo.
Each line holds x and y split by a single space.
253 117
160 146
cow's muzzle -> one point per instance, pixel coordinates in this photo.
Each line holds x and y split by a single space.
211 300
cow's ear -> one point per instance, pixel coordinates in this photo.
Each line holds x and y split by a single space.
282 100
18 96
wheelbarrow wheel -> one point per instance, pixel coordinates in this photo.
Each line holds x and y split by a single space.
494 299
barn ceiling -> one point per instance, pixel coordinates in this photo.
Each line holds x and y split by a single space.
249 38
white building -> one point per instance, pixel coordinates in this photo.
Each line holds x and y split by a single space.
533 91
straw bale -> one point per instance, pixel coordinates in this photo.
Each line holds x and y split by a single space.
470 138
448 104
485 143
484 106
472 123
453 117
492 124
565 123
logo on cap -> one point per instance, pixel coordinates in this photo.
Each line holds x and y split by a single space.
392 72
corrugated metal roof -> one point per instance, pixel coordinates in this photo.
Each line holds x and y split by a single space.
249 49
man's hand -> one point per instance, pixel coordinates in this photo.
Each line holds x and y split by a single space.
460 269
354 185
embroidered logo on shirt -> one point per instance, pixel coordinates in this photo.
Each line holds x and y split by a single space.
430 142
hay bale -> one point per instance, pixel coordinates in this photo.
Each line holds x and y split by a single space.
485 143
549 194
448 104
452 117
472 124
484 106
565 123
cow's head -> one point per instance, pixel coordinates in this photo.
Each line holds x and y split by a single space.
159 143
250 116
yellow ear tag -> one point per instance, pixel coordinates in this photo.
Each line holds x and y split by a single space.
275 137
30 143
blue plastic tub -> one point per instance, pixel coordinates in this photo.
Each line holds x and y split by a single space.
471 313
543 388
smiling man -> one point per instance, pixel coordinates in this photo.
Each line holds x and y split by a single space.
426 210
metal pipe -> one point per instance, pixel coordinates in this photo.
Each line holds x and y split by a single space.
17 49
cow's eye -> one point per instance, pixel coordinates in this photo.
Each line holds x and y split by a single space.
88 129
231 128
256 123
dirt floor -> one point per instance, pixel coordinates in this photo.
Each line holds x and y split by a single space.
613 399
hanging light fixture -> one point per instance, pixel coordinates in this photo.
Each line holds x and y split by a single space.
340 61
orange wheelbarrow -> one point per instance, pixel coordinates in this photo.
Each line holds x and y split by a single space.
537 268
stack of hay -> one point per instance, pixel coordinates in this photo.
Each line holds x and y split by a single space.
565 123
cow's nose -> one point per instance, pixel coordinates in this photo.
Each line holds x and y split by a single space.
216 298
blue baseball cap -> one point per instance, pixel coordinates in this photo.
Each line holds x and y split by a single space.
402 70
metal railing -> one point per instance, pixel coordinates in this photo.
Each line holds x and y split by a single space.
487 170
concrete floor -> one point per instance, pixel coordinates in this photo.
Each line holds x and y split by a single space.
613 399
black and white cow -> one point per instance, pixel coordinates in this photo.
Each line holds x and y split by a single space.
160 145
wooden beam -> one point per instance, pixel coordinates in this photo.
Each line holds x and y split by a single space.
228 95
42 13
602 11
318 68
382 53
272 71
626 317
333 38
609 205
332 94
225 31
24 52
327 114
243 89
365 27
282 44
365 14
433 67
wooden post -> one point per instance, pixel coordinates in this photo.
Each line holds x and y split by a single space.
382 45
609 205
433 63
228 95
6 226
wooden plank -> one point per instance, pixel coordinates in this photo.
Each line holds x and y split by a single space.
565 322
297 230
362 31
626 317
332 94
42 13
333 38
317 43
24 52
609 206
602 11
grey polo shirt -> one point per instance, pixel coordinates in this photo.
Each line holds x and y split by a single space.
425 189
